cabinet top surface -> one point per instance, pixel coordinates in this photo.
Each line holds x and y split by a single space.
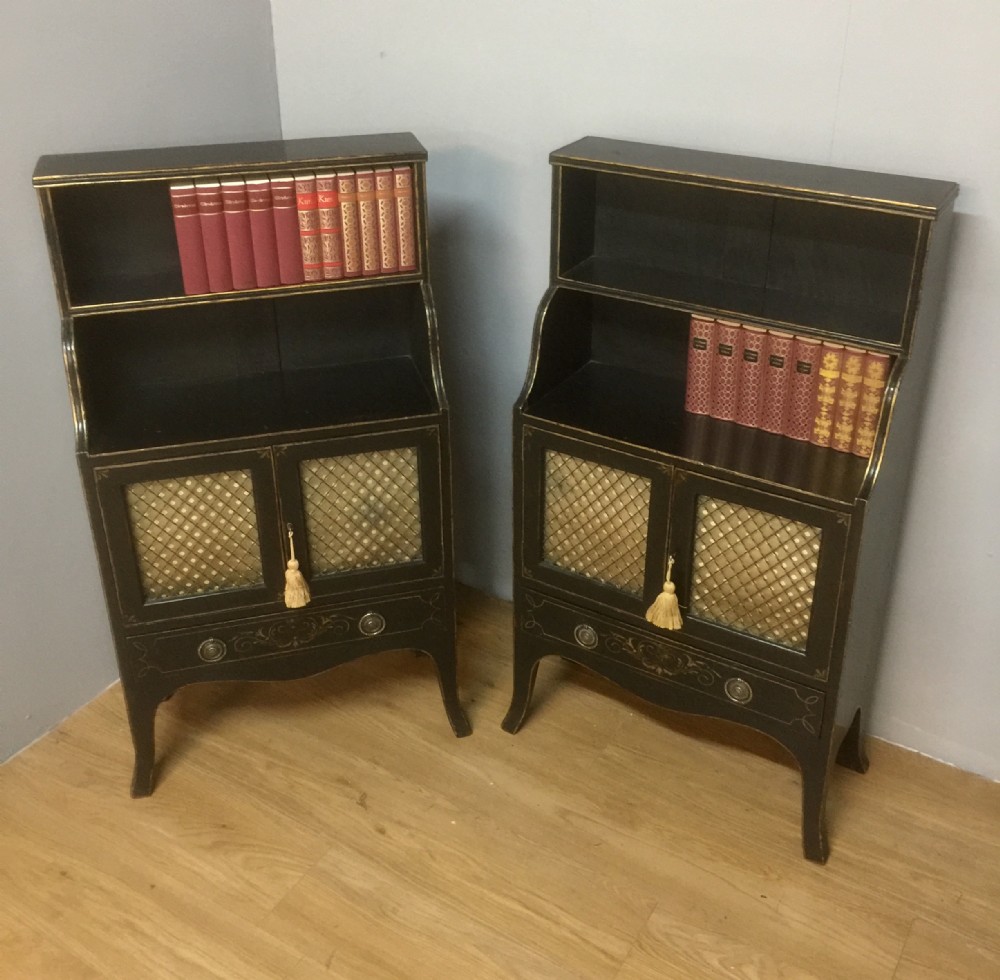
918 194
185 160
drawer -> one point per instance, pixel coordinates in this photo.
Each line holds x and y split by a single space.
749 690
288 633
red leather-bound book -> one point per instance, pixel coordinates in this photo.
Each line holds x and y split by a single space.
286 230
777 380
753 340
874 377
312 252
368 222
701 352
213 235
726 370
265 245
831 357
406 229
347 191
848 396
802 392
237 218
187 225
385 203
328 205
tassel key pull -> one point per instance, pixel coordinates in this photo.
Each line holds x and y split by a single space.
296 588
665 611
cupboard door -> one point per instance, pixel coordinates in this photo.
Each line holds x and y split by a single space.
757 573
192 535
365 511
594 520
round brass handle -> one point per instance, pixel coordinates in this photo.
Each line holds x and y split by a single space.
585 636
212 650
738 690
371 624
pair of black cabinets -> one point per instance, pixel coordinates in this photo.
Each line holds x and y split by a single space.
209 427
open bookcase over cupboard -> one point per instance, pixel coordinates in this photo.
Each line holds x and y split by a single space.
216 430
780 551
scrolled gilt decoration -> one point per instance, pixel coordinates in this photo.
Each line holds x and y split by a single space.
661 661
291 633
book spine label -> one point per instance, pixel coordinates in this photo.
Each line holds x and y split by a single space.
368 222
701 349
831 357
406 229
777 380
190 248
386 207
726 370
286 230
752 353
265 245
213 234
873 381
802 393
308 212
848 396
347 191
328 206
237 216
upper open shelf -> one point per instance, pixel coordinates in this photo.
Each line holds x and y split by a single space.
811 248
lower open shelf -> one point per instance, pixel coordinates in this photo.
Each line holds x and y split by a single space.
647 411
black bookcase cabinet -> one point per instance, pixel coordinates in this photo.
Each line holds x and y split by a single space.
613 477
207 426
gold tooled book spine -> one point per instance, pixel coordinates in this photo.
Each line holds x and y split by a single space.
848 394
387 237
348 194
831 358
368 222
873 381
405 224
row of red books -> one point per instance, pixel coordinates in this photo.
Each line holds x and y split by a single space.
797 386
256 232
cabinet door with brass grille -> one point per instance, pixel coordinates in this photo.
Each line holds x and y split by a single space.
364 511
192 535
757 573
594 520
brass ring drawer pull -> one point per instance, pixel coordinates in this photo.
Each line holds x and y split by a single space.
738 690
371 624
585 636
212 650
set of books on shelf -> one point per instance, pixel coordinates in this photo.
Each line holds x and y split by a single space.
257 232
798 386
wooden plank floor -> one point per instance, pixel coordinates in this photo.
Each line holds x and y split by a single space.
333 827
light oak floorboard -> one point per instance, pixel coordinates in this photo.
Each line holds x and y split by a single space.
334 827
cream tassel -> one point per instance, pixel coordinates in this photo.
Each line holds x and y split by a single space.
665 611
296 587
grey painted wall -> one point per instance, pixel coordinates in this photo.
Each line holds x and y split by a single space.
76 77
906 86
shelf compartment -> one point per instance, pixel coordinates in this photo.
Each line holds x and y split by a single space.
811 265
173 376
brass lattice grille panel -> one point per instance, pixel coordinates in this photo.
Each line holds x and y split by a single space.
362 511
595 521
754 572
195 534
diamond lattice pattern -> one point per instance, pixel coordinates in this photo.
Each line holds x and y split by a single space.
595 521
754 572
362 511
195 534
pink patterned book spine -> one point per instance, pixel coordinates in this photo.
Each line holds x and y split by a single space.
752 351
406 227
328 205
368 223
388 237
701 349
347 193
777 380
308 217
802 392
726 370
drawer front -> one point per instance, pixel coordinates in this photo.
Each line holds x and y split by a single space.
800 708
289 633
